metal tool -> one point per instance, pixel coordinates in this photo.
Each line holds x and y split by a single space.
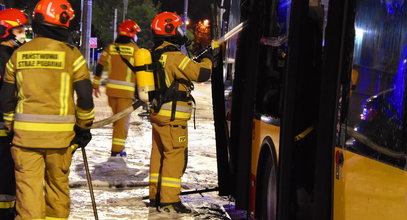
88 178
215 43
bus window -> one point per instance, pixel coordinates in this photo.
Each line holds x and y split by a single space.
272 60
370 168
231 46
377 104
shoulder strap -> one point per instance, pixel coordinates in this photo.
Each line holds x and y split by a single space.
159 69
134 68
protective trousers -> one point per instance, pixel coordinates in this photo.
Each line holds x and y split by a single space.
121 126
169 156
42 193
8 182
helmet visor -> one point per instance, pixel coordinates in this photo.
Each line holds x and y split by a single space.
180 30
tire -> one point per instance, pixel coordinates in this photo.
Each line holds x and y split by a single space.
268 195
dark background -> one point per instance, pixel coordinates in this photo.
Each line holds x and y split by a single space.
197 9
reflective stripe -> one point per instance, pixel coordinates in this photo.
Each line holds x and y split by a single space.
8 116
163 61
7 205
118 141
175 185
32 126
45 118
13 23
154 177
53 218
179 108
7 198
119 82
176 180
78 63
86 115
171 182
20 92
114 86
63 93
184 63
3 133
96 81
167 113
10 66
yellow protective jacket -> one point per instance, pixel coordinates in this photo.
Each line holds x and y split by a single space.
121 80
179 67
38 94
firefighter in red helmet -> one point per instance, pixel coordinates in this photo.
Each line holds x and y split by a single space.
169 118
120 85
12 35
38 104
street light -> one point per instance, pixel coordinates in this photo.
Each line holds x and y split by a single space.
125 4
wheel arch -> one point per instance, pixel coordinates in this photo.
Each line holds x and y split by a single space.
268 149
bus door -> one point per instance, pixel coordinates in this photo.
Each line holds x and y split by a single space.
300 111
370 169
222 81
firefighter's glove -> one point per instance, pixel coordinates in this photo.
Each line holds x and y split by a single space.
82 136
214 44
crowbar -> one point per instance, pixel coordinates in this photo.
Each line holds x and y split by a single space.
216 43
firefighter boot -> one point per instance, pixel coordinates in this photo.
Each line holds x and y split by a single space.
177 207
118 154
155 202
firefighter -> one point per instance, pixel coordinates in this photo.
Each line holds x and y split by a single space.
37 101
169 120
120 85
12 35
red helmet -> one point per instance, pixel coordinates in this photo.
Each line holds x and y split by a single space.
54 12
167 24
9 19
129 28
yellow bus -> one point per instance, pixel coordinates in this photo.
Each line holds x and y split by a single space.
310 109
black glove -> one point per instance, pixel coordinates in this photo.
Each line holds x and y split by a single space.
82 136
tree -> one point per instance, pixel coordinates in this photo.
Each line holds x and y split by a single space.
202 33
141 11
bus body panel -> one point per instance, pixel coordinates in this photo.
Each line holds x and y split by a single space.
368 189
261 130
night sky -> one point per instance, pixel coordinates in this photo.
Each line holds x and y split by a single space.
197 9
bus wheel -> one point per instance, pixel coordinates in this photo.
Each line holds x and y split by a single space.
268 202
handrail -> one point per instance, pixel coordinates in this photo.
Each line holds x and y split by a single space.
372 145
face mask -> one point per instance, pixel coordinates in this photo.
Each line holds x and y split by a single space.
135 38
20 38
